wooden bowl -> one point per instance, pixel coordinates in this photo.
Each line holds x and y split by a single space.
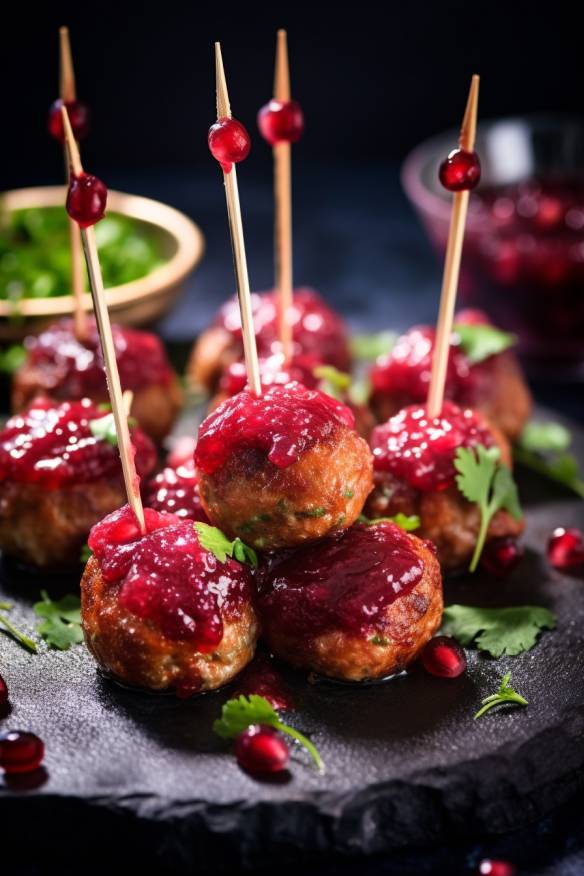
136 303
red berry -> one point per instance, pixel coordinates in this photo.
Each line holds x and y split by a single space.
281 121
20 752
3 692
461 171
496 868
86 199
260 749
229 142
501 555
443 656
78 116
565 548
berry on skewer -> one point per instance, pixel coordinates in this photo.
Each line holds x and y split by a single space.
281 123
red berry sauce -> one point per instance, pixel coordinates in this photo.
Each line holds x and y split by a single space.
176 491
443 656
420 451
281 121
182 452
20 752
262 679
283 423
3 692
460 171
272 371
229 142
501 555
260 750
168 578
565 548
86 199
490 867
316 329
71 369
344 582
78 116
53 446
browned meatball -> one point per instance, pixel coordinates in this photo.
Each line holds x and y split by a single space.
282 469
357 605
156 619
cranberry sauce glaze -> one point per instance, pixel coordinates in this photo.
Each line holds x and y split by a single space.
316 329
53 446
420 450
344 582
272 370
283 423
176 491
168 578
73 369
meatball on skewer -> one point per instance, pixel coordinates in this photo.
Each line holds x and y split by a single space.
357 605
175 490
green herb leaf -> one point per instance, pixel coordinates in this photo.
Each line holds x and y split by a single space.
406 522
478 342
104 429
370 347
213 540
12 358
505 696
542 437
542 448
332 381
240 713
483 479
497 631
61 626
17 634
85 554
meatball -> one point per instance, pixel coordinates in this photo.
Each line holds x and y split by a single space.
57 479
495 386
161 612
414 474
317 331
356 605
282 469
60 367
176 491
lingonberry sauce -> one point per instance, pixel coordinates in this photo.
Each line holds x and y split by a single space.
86 199
78 116
443 656
20 752
260 750
565 548
283 423
168 578
272 371
183 451
281 121
420 451
316 329
69 368
53 446
3 692
460 171
229 142
344 582
176 491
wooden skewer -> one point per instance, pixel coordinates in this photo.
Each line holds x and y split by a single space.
237 240
131 478
282 153
67 93
452 263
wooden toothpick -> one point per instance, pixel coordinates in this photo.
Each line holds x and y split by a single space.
68 93
131 479
282 153
452 263
237 240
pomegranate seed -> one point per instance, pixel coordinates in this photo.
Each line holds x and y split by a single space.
3 692
501 555
260 749
20 752
565 548
229 142
281 121
86 199
496 868
461 171
78 116
443 656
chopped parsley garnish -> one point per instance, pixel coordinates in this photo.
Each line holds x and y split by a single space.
213 540
104 428
505 696
332 381
12 358
497 631
60 626
242 712
85 554
478 342
543 448
371 347
406 522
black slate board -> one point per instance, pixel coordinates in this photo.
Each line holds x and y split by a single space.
406 764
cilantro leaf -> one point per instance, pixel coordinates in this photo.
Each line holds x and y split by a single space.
478 342
17 634
12 358
504 696
240 713
371 347
61 626
406 522
483 479
332 381
497 631
542 448
104 428
213 540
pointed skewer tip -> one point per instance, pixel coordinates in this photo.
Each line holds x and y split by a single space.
71 144
468 130
223 108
